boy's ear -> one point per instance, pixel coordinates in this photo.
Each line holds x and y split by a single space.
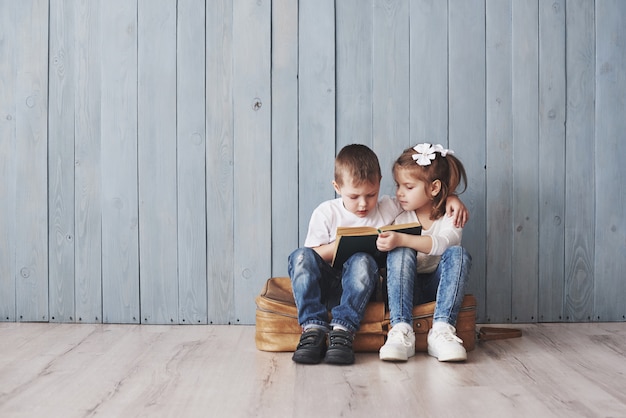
336 186
435 188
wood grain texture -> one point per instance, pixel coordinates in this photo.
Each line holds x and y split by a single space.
499 162
552 164
354 43
390 75
191 151
525 186
156 161
252 152
429 71
164 157
31 155
61 235
219 161
285 237
120 238
610 149
467 74
580 183
78 370
317 100
8 169
88 163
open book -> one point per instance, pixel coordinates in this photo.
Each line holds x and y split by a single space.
356 239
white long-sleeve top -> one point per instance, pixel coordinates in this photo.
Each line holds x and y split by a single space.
443 234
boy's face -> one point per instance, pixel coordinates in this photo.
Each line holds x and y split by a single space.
359 199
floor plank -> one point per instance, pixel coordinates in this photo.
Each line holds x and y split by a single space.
83 370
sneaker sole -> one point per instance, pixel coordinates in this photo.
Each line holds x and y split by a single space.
397 356
306 360
339 358
308 356
443 358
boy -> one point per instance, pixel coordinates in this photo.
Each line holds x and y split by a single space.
317 287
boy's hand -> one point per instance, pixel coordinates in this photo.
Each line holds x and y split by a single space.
456 209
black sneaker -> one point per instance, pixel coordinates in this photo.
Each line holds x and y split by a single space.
311 347
340 348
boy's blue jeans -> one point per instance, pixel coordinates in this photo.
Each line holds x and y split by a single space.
446 285
318 288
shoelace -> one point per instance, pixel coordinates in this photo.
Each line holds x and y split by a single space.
448 336
399 335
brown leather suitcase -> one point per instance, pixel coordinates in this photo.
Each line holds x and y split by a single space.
277 327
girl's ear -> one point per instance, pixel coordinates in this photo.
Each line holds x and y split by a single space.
435 188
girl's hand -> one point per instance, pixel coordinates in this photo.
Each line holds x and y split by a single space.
388 241
456 209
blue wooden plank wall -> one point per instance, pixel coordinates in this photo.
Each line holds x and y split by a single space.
159 159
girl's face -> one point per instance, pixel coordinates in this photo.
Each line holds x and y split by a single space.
359 199
413 194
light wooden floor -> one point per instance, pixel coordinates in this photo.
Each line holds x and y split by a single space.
65 370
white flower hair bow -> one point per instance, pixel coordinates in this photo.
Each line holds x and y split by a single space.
425 153
443 151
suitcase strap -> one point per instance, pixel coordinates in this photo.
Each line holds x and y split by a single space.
493 333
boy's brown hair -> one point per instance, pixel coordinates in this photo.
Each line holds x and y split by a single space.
359 162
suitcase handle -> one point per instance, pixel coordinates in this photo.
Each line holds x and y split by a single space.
493 333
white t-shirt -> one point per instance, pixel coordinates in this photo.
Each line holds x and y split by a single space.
331 214
443 234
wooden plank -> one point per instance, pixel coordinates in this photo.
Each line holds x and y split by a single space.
62 83
191 151
391 99
610 149
8 165
499 156
354 38
429 71
284 133
525 86
552 99
579 181
554 370
252 152
467 129
120 240
88 229
219 161
88 167
31 211
158 269
316 106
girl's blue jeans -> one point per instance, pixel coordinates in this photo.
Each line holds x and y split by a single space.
446 285
318 288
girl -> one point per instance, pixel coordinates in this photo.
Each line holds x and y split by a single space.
427 267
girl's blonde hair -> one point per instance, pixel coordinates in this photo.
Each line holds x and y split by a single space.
448 170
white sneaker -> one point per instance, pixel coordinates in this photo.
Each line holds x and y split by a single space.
444 344
400 344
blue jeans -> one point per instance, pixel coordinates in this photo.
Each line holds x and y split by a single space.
446 285
318 288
